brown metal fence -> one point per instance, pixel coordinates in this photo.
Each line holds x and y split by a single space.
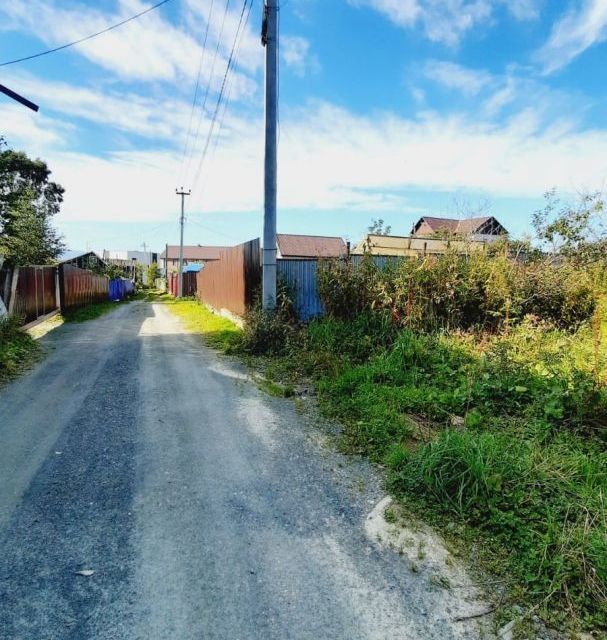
35 293
189 284
233 281
79 287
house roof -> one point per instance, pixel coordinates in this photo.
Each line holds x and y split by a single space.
466 226
70 254
197 252
295 246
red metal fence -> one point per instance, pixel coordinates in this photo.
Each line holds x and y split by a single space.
35 293
189 284
233 281
79 287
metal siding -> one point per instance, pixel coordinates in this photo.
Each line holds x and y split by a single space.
35 293
232 281
300 276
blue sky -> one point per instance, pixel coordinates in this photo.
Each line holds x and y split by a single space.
389 108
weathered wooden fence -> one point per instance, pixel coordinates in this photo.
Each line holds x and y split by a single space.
233 281
78 287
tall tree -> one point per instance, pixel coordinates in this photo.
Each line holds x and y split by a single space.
577 230
379 228
28 202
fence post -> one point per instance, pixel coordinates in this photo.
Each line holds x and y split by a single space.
14 279
61 287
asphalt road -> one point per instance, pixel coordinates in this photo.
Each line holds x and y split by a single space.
205 508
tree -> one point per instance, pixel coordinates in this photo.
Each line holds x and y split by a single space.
28 201
574 230
377 228
153 273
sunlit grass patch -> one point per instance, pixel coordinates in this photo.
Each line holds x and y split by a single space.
218 332
18 350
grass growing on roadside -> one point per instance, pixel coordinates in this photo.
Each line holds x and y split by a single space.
18 350
91 311
503 434
217 331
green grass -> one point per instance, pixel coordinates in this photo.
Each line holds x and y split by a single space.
91 311
217 331
502 436
18 350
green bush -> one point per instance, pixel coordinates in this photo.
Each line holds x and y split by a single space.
459 291
17 348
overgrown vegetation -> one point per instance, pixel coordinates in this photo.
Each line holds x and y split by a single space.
479 382
17 349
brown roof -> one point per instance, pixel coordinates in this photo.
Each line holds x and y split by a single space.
197 252
294 246
465 226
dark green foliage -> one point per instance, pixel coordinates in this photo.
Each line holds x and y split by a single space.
504 432
270 333
28 201
17 349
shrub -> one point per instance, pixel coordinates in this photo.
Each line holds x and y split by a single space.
457 291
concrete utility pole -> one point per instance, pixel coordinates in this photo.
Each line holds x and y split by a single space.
269 38
183 194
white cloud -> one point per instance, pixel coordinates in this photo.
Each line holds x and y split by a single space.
295 52
331 159
455 76
147 49
575 32
23 128
128 112
447 21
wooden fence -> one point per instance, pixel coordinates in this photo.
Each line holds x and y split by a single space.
233 281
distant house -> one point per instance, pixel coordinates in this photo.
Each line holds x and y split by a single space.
414 247
82 259
293 247
485 228
197 254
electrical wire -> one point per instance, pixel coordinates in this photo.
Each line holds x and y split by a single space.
200 65
93 35
206 95
228 94
221 92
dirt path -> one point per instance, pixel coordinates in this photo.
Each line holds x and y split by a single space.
206 509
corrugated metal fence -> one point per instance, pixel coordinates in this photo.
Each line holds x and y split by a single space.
79 287
301 279
32 291
300 276
232 282
189 284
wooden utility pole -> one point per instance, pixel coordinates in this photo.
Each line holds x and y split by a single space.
183 194
269 38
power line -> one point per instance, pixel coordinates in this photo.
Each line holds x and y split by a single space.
200 65
206 95
228 95
93 35
221 93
